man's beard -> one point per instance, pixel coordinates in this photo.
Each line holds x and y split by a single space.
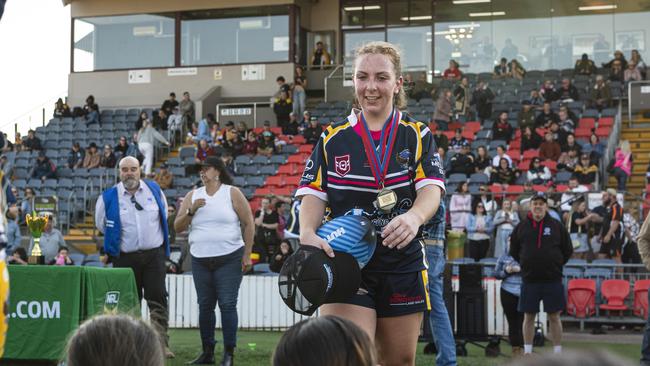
131 183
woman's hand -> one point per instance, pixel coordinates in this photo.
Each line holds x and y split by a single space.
246 262
198 204
316 241
400 230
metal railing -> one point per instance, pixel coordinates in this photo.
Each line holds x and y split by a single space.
329 78
636 100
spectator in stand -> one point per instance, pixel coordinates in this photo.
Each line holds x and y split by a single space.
597 148
32 142
508 271
320 57
488 203
114 340
526 116
164 177
188 109
535 99
76 157
462 98
483 161
571 145
574 192
547 116
44 169
479 227
618 56
578 229
267 144
601 95
170 104
566 125
505 221
444 110
585 171
228 162
26 204
140 122
235 146
19 257
422 88
251 144
537 173
204 128
203 151
121 147
18 142
92 158
530 140
282 87
501 70
516 70
482 99
160 120
630 252
616 72
462 162
90 104
147 137
622 168
299 96
291 128
567 92
637 60
228 133
502 130
503 174
501 154
460 207
452 72
281 255
458 141
542 246
61 109
51 241
612 231
62 258
441 140
282 107
632 73
266 222
549 149
243 130
584 66
175 123
13 230
92 116
548 91
312 132
108 159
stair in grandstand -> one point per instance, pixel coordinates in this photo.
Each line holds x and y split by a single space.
639 138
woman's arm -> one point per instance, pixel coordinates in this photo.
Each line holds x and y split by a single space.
183 220
312 210
243 210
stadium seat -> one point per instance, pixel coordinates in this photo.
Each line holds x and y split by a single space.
479 178
243 160
582 133
563 177
587 123
615 292
457 178
299 140
268 169
641 298
259 160
187 152
581 301
277 181
605 122
278 159
247 170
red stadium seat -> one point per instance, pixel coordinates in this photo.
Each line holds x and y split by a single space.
588 123
514 154
581 301
263 191
540 131
305 149
561 188
582 133
285 138
518 134
515 144
296 158
287 169
450 134
495 188
641 298
605 122
469 135
283 191
299 140
540 188
530 154
603 132
515 189
523 165
473 126
292 180
258 130
276 130
454 126
277 180
615 292
551 165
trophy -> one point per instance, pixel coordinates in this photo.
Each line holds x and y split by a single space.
36 224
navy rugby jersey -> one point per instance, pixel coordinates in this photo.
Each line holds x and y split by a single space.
339 173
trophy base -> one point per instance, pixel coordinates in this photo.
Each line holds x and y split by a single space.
36 259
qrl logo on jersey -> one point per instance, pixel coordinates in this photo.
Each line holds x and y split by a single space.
342 164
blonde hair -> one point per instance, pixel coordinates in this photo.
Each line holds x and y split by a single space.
395 56
624 145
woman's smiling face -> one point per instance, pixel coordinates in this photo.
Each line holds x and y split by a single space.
375 84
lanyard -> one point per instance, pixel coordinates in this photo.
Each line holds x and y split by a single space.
379 161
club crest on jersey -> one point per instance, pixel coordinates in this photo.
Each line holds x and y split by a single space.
342 164
403 158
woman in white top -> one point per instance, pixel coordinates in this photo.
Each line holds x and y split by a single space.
221 231
460 207
479 227
147 136
505 221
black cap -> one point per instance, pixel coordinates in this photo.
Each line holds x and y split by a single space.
309 278
540 196
212 161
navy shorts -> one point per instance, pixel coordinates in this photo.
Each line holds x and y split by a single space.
393 294
552 293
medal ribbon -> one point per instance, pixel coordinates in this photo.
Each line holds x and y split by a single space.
379 161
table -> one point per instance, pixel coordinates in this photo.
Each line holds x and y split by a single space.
47 303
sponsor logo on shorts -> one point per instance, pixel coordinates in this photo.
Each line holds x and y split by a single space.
402 299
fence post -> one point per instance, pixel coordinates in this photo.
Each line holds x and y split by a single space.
43 109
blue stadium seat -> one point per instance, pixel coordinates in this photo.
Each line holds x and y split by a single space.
242 160
268 169
187 152
247 170
260 159
278 159
479 178
457 178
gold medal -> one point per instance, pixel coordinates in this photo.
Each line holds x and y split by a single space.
386 200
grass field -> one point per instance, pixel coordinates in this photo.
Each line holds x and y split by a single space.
256 348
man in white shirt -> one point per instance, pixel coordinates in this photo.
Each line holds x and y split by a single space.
571 195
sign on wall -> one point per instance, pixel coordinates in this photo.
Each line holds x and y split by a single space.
182 71
139 76
218 74
253 72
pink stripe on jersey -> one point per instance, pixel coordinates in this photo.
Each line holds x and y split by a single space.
397 180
